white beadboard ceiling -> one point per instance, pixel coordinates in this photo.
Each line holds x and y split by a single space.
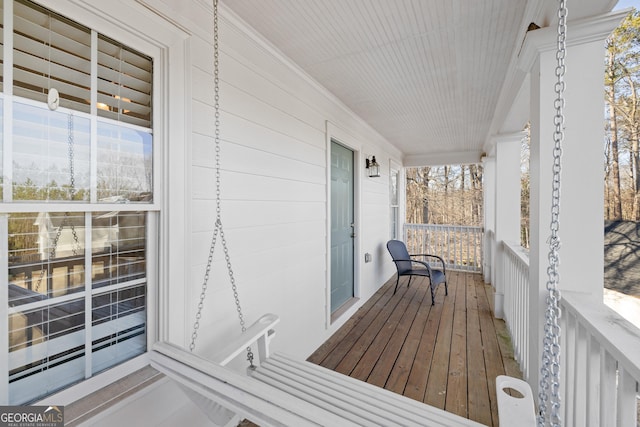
426 74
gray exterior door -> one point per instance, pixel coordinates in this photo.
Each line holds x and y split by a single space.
342 225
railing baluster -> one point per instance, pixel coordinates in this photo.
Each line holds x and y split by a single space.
608 380
563 362
569 388
627 400
471 249
593 382
580 372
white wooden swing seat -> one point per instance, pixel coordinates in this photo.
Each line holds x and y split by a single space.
282 391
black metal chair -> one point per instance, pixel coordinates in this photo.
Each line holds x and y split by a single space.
407 266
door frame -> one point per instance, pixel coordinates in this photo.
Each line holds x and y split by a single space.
334 133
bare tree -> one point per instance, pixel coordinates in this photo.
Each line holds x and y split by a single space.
611 77
622 79
449 194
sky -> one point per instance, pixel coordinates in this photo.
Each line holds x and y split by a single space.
622 4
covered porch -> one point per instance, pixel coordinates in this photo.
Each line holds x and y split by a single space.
284 105
447 355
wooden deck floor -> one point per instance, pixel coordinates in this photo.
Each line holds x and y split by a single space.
447 355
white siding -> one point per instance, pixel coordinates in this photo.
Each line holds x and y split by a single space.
274 175
274 188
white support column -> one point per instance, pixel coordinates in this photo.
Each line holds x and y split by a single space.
581 219
489 185
507 207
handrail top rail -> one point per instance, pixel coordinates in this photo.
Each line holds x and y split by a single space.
471 227
517 250
619 336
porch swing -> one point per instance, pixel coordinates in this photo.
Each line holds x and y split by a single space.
282 391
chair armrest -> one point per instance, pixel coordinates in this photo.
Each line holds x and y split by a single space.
261 331
415 261
439 258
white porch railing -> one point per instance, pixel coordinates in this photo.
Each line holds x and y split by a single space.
516 301
600 364
460 246
600 350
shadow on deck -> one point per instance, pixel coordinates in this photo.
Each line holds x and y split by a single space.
447 355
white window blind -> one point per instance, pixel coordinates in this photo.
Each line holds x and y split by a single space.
124 83
50 51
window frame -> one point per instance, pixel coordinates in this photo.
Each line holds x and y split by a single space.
395 169
167 45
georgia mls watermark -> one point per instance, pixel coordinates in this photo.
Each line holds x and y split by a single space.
31 416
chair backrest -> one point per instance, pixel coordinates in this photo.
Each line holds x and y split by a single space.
398 251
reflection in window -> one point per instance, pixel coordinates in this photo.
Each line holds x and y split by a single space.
46 256
46 349
47 319
31 327
124 164
51 154
118 259
119 248
118 326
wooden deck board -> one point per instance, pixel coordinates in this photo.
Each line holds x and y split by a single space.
335 357
399 375
456 391
492 356
388 358
446 355
385 317
327 352
479 402
371 356
437 383
419 375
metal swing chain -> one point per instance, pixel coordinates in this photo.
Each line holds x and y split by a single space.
72 191
549 393
72 179
218 224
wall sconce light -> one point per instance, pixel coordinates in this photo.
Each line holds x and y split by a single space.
373 168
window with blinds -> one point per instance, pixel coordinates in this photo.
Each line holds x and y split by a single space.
51 150
50 51
76 281
124 83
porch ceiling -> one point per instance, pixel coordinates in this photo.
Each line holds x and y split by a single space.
435 77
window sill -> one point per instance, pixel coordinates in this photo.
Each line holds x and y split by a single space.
92 404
